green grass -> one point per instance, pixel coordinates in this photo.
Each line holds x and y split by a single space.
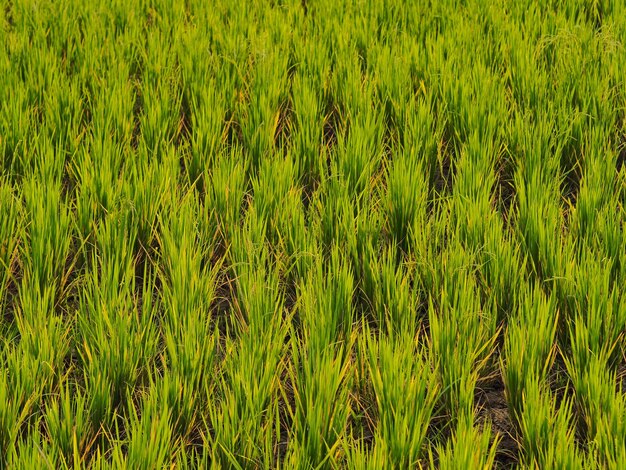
313 234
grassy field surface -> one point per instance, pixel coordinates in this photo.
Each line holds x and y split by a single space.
313 234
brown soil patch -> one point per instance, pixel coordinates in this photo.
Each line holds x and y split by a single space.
492 407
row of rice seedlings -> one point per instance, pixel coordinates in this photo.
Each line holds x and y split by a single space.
397 301
97 169
307 131
537 183
15 118
148 191
394 85
406 389
469 447
259 109
227 188
545 430
160 96
479 227
46 247
116 328
596 329
548 432
33 360
10 234
18 399
35 335
321 402
595 334
529 347
410 176
458 313
357 156
243 421
596 202
149 441
271 188
189 274
205 99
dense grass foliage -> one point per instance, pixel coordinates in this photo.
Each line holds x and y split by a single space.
312 234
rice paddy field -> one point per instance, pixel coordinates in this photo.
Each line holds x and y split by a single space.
313 234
